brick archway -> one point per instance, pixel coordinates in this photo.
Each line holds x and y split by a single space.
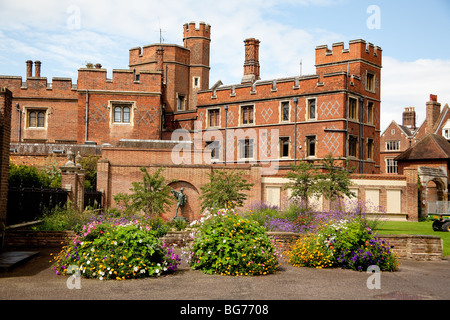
191 210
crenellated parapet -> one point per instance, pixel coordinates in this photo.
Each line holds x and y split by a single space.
39 87
191 30
122 80
357 50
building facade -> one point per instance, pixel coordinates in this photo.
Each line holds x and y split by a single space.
166 89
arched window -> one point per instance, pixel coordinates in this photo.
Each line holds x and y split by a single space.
122 114
36 118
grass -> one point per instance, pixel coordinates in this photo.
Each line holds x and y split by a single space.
419 228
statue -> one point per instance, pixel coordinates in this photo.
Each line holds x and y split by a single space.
181 201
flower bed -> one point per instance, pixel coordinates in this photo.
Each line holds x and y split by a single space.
117 251
345 243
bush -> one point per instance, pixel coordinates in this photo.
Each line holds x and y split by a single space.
124 251
227 244
345 243
356 247
62 219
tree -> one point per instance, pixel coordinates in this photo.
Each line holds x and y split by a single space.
225 189
152 195
305 181
336 181
333 181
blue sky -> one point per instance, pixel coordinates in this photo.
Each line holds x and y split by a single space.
64 35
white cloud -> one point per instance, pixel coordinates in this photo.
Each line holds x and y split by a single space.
409 84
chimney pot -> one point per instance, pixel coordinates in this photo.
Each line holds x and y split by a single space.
29 68
37 69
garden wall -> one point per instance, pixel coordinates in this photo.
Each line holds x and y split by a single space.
411 247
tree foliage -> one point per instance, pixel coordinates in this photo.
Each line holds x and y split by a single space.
225 189
151 195
330 180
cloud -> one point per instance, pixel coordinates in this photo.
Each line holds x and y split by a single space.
409 84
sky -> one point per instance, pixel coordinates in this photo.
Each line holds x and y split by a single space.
65 35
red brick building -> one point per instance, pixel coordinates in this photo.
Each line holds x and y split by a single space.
335 111
396 138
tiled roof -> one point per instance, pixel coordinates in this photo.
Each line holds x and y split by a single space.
432 146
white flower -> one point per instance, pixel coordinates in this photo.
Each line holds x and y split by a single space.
115 243
136 269
88 262
101 278
92 249
224 240
142 271
140 240
157 271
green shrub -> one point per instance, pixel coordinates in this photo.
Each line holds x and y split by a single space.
62 219
227 244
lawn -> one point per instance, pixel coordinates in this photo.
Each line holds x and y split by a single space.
406 227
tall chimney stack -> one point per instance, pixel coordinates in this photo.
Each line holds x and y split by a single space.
37 69
409 118
433 112
29 68
251 64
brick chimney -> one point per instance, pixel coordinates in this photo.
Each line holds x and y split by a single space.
37 69
433 112
29 68
409 118
251 64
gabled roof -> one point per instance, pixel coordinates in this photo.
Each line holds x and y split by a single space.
407 131
432 146
440 121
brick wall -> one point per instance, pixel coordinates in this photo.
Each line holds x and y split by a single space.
5 131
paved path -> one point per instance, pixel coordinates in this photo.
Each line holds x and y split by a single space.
415 280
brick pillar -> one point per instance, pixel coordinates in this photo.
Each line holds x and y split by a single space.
412 193
103 183
5 136
72 179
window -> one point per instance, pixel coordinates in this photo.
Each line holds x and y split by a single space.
285 111
284 147
353 108
391 166
121 113
196 82
246 146
393 145
181 102
311 108
370 82
311 146
370 113
247 114
370 149
36 118
353 146
214 119
446 133
213 146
